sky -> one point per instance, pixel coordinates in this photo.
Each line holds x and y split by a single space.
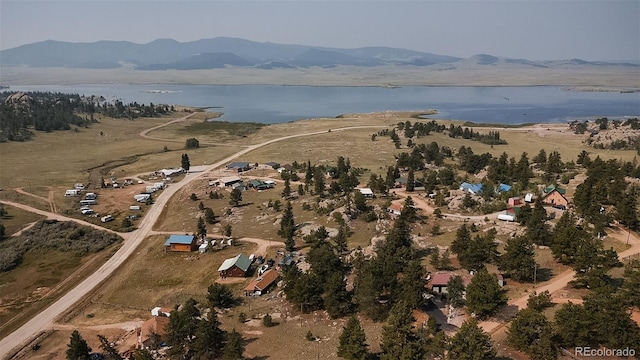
532 29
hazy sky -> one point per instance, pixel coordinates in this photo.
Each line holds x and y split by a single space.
533 29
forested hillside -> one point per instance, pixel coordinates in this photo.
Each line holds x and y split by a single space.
21 112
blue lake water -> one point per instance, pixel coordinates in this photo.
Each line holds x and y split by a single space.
277 104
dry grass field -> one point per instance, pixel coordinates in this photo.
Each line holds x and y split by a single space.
17 219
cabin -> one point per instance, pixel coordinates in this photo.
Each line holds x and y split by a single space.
367 193
395 209
439 282
262 283
154 329
555 196
235 266
239 166
180 243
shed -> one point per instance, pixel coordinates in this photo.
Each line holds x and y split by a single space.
235 266
514 201
229 181
272 164
203 248
180 243
262 283
528 198
366 192
239 166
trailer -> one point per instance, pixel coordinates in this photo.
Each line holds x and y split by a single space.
88 202
134 207
72 192
506 217
142 197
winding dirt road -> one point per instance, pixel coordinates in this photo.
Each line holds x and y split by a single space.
46 319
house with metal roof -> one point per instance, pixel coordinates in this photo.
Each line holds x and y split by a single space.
235 266
471 188
239 166
180 243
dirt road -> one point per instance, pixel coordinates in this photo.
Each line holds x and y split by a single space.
45 319
561 281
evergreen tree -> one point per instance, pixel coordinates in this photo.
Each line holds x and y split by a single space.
77 349
360 202
353 342
186 163
235 197
631 285
201 229
108 350
445 260
337 300
539 302
531 332
455 291
411 285
518 259
566 239
220 296
341 239
141 354
288 227
286 191
484 295
309 174
537 229
398 339
209 216
410 180
234 347
471 343
182 329
318 182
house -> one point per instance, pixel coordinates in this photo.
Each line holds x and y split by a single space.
239 166
153 330
550 188
171 172
471 188
367 193
395 209
439 282
510 214
240 186
285 167
515 201
402 182
229 181
180 243
262 283
261 185
556 199
235 266
161 311
272 164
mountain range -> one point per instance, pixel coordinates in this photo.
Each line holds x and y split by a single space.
220 52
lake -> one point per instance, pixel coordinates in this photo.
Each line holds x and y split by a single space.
277 104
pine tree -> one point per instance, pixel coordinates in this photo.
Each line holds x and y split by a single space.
455 291
537 229
410 286
288 227
531 332
209 216
108 350
337 300
77 349
484 295
201 229
235 198
186 163
234 347
631 285
318 181
398 339
471 343
353 342
518 259
410 180
220 296
286 191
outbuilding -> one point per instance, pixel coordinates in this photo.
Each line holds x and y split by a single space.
366 192
182 243
235 266
239 166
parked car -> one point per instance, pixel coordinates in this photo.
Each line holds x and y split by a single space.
263 268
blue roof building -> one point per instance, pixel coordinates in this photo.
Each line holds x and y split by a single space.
180 243
503 188
472 188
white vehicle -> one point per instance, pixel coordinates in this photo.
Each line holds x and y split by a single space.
263 268
88 202
90 196
134 207
86 211
72 192
252 257
107 218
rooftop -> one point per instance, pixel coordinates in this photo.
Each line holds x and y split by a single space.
241 260
238 165
263 281
179 239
